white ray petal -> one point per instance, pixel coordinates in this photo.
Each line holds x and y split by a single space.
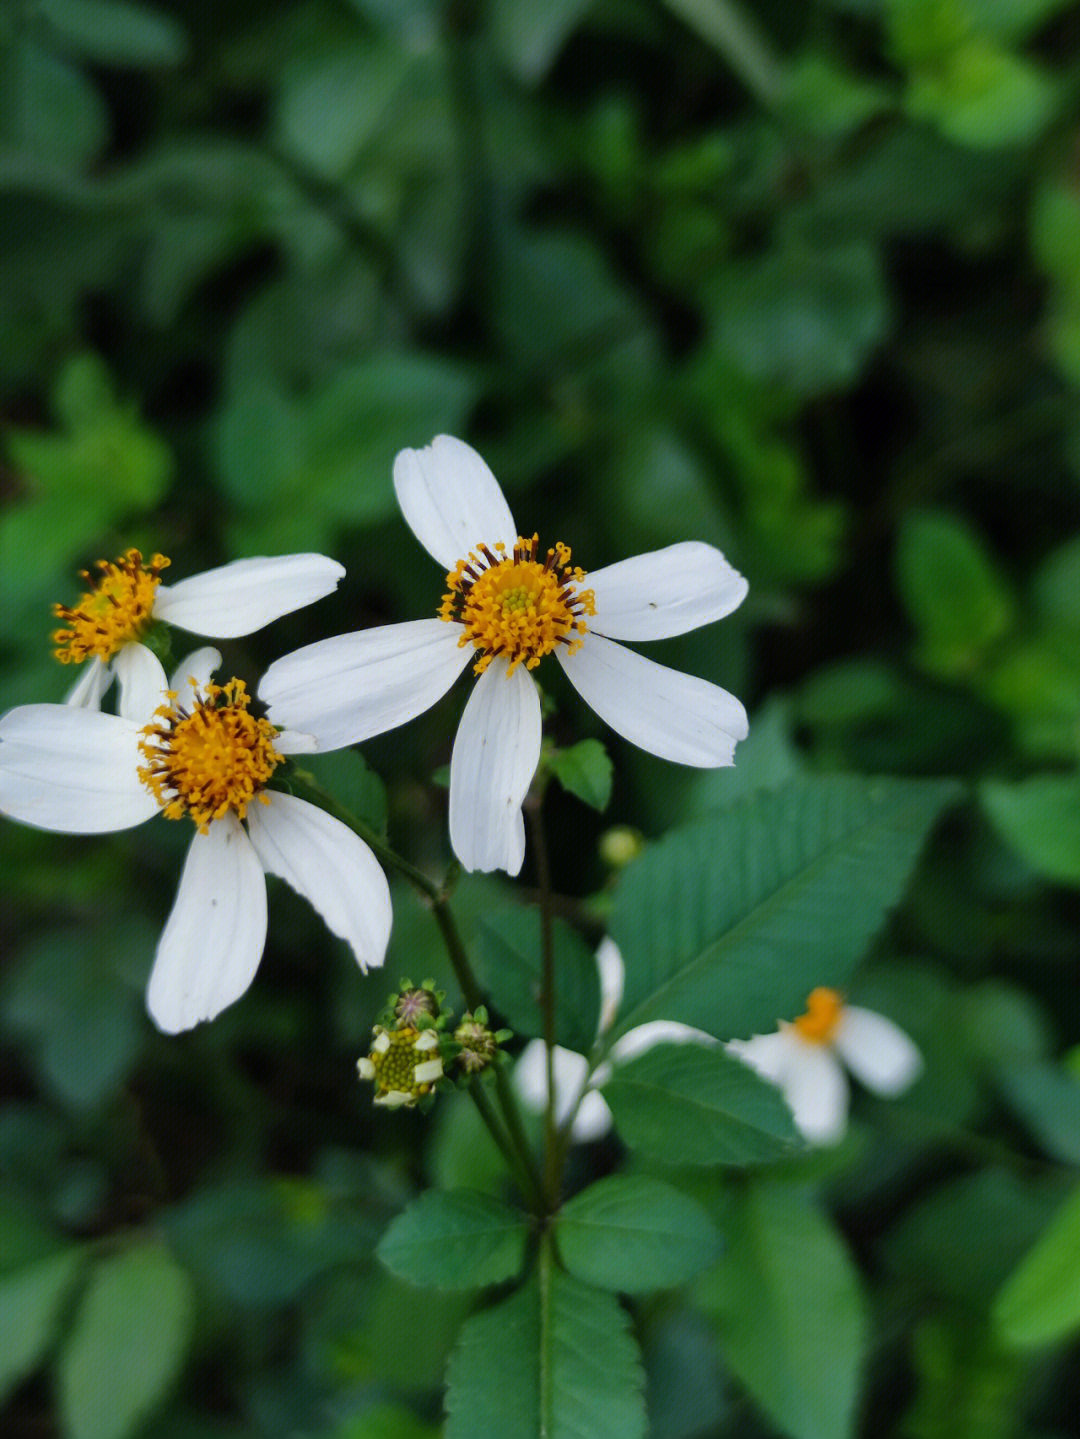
200 665
92 685
294 741
330 866
241 597
665 592
657 1031
496 751
766 1054
609 962
530 1078
816 1091
71 770
345 689
674 715
877 1051
451 501
214 937
593 1119
142 683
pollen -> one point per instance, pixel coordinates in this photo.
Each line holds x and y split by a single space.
517 606
208 758
824 1010
116 608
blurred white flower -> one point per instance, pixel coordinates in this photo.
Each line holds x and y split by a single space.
803 1059
193 749
508 604
127 597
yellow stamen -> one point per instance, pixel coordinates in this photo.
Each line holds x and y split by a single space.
116 609
824 1010
400 1063
211 758
517 606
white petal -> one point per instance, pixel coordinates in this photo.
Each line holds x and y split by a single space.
816 1090
345 689
676 716
663 593
451 501
593 1119
365 1069
293 741
766 1054
428 1072
214 937
72 770
609 962
657 1031
142 683
241 597
330 866
530 1078
395 1099
877 1052
496 751
200 666
92 685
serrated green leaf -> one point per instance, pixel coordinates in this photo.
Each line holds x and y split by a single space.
456 1239
139 1302
633 1233
1040 1301
555 1360
585 770
1040 819
690 1104
786 1302
728 923
511 964
31 1304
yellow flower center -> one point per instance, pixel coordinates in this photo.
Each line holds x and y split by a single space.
116 609
516 605
404 1064
824 1010
211 758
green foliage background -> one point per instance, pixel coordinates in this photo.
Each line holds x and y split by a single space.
799 280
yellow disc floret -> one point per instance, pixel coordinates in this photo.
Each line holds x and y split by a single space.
117 608
404 1064
211 758
517 606
824 1010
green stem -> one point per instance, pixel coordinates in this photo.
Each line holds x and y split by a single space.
727 27
526 1181
552 1153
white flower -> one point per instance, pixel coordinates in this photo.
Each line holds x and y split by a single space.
127 597
507 605
576 1082
803 1060
194 749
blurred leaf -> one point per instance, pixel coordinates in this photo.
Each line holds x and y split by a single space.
115 32
511 968
809 875
1047 1100
49 109
686 1390
786 1302
345 774
1055 588
806 319
585 769
821 97
984 96
1040 1301
691 1104
138 1302
634 1234
954 593
555 1359
529 36
768 759
384 1421
1040 818
967 1384
1055 232
456 1239
32 1300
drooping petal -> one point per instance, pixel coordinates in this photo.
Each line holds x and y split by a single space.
665 592
241 597
496 751
200 666
214 937
593 1119
451 501
766 1054
877 1051
92 685
657 1031
330 866
345 689
816 1091
71 770
142 683
570 1070
674 715
609 962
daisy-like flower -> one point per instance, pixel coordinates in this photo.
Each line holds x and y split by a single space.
194 749
803 1059
509 603
404 1063
577 1084
126 597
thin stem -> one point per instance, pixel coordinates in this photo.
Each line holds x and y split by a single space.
552 1159
526 1181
